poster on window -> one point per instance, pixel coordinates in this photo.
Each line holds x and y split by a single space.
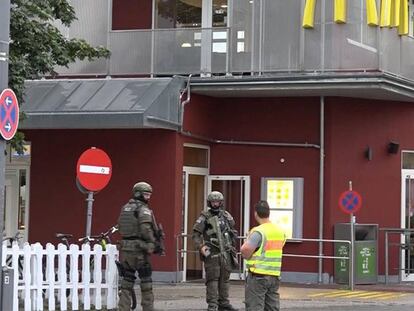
280 198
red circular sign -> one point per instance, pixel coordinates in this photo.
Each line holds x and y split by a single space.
9 114
350 201
94 169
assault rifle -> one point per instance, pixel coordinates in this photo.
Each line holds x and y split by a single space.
159 237
225 246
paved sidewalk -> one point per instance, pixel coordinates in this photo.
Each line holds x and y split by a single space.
191 296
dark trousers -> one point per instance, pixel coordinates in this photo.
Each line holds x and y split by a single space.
217 282
261 293
136 262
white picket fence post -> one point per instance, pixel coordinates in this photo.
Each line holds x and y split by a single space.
49 273
74 275
111 277
50 276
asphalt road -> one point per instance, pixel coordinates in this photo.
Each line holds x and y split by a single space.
189 297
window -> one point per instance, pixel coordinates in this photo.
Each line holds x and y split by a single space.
178 14
188 14
197 157
411 18
285 198
408 160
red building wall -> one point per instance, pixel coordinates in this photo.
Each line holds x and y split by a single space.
264 120
56 205
352 125
156 156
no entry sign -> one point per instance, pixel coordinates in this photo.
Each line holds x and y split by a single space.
9 114
350 201
94 169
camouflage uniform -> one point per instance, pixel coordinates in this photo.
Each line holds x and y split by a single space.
216 266
135 226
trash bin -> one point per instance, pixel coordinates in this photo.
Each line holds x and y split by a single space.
365 253
7 290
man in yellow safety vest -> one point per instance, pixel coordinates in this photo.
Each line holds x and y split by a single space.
263 251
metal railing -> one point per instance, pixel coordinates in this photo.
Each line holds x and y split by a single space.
261 40
349 257
401 245
180 251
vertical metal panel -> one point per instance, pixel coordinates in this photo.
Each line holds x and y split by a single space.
91 25
390 50
407 54
281 37
242 43
177 51
347 46
312 46
131 52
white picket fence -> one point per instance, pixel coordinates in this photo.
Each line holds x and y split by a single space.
66 279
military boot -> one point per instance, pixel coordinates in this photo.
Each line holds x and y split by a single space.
212 308
227 307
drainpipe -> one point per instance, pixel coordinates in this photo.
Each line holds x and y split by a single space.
321 182
185 102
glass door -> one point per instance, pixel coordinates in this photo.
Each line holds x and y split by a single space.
407 222
236 191
194 202
16 202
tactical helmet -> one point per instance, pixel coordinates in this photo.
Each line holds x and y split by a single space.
215 196
139 188
142 186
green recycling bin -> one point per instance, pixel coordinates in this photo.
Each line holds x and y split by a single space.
365 253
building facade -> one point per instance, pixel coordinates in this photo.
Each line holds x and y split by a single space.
288 101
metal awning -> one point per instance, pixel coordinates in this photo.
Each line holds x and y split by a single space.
368 85
103 103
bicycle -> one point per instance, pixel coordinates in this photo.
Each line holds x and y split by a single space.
65 238
103 239
9 259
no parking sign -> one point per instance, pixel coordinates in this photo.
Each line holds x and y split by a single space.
350 201
9 114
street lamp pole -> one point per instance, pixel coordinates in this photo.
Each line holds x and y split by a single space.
4 80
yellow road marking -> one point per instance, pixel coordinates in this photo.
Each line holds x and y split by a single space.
386 296
358 294
321 294
362 295
344 294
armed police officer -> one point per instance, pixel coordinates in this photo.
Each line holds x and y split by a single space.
214 237
138 243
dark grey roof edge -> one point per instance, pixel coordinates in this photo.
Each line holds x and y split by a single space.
324 83
100 119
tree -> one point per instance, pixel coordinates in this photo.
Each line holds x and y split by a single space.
37 46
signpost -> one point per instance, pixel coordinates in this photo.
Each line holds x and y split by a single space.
350 202
4 78
93 172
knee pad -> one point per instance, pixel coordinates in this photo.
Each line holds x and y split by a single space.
126 284
145 271
129 275
146 285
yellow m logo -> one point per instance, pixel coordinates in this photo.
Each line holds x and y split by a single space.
394 13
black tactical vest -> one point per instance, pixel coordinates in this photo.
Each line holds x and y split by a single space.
128 220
